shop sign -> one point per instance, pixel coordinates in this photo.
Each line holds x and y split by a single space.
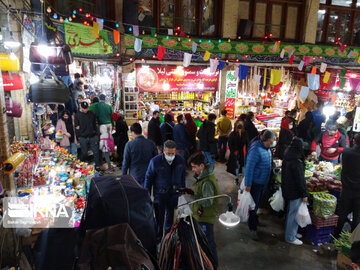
83 40
231 86
356 125
152 79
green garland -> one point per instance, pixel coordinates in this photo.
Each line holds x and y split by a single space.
240 47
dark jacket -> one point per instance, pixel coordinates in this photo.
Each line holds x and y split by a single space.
206 135
167 131
154 133
251 129
338 141
164 178
137 156
87 123
350 174
285 137
307 129
237 145
181 137
258 164
121 135
293 182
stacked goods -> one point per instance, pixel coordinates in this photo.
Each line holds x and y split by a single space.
324 166
319 236
324 205
321 222
317 182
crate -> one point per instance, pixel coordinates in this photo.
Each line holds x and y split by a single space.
319 236
320 222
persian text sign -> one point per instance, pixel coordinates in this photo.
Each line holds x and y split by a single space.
151 79
231 86
83 40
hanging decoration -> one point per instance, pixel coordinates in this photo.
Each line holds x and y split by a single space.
161 52
135 29
187 59
116 35
100 22
96 28
170 32
301 65
350 54
313 81
213 65
194 47
313 70
343 46
264 83
282 54
206 56
291 59
275 76
354 83
342 78
304 92
306 60
221 64
138 45
326 77
257 78
243 72
323 67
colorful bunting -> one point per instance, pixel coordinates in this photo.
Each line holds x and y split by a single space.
306 60
187 59
301 65
350 54
275 76
257 78
264 84
213 65
194 47
96 28
355 83
342 83
170 32
222 65
343 48
304 92
243 72
326 77
161 52
135 30
282 53
116 35
101 23
138 45
206 56
291 52
342 73
323 67
291 59
313 70
313 81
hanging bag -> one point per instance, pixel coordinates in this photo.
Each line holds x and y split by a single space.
245 205
277 202
49 90
13 108
303 217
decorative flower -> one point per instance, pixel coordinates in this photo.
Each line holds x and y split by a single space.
207 45
242 47
317 50
187 44
224 47
169 42
129 41
150 41
258 48
304 49
329 52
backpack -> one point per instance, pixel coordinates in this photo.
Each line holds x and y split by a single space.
110 144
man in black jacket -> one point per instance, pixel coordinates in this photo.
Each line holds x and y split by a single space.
208 143
85 125
293 186
154 133
350 178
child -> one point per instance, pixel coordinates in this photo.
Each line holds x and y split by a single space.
104 145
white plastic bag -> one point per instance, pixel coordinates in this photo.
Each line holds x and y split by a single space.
277 201
303 217
245 204
242 185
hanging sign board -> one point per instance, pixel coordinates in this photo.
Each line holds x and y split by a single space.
82 40
231 86
356 125
151 79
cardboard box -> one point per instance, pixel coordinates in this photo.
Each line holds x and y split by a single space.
343 262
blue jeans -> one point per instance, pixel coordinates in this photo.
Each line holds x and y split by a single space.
167 203
72 149
222 145
209 158
94 146
291 226
209 232
257 191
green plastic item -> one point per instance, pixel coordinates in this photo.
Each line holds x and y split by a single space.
198 122
324 205
161 119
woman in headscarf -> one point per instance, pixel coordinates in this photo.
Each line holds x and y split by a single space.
238 143
307 131
65 125
121 136
287 132
191 129
250 127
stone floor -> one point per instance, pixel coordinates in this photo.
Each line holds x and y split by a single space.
236 250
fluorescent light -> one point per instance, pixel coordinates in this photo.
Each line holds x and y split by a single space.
329 110
11 44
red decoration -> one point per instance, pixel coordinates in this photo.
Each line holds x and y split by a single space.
161 52
116 36
291 59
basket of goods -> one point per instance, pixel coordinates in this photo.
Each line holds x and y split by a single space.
324 205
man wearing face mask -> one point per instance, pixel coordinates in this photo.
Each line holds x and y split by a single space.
165 174
287 133
257 174
181 137
332 143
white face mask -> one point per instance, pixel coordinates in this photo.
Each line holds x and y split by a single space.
185 122
273 144
291 126
169 158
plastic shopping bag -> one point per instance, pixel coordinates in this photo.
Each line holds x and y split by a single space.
303 217
245 204
242 185
277 201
